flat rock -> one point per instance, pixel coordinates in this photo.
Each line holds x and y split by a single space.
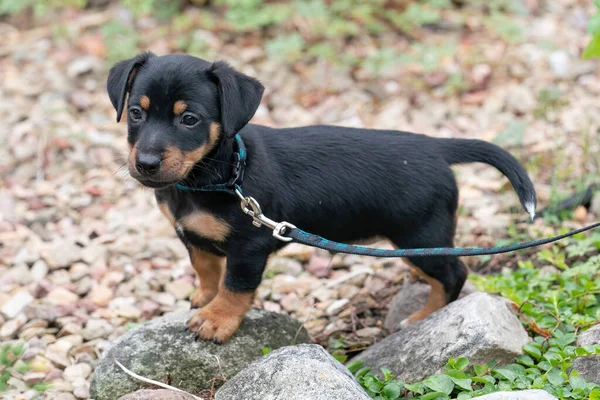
301 372
589 367
519 395
411 298
163 348
159 394
479 326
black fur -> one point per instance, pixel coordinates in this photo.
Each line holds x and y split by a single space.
341 183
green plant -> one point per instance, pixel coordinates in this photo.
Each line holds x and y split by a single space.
12 364
593 47
553 306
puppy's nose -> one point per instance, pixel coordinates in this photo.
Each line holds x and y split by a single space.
147 163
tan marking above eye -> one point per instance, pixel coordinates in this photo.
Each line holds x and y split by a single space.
206 225
179 107
145 102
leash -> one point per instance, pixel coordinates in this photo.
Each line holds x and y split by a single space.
287 232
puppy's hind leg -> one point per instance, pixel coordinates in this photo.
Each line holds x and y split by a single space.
445 275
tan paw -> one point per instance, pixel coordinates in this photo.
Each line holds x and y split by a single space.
209 323
201 298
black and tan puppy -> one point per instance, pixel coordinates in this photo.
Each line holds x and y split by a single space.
344 184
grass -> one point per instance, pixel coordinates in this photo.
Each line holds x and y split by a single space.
554 308
12 365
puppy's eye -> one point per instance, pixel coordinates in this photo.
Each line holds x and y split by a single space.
189 120
135 114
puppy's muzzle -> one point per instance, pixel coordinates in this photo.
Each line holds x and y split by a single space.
148 164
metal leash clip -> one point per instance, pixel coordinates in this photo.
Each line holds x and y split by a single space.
251 207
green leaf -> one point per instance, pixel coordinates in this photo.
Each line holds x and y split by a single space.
533 351
416 387
464 396
387 374
266 350
392 390
439 383
576 381
435 396
353 366
595 394
525 360
592 49
463 383
555 377
462 363
506 374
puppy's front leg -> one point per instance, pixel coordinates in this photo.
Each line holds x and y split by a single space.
209 269
220 318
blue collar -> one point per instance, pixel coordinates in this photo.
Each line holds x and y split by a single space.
237 174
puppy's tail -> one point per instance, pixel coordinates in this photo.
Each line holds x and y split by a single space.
459 151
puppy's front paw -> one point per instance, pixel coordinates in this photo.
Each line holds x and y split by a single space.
210 324
201 298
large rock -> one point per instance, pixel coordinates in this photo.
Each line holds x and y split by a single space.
589 367
520 395
160 394
163 348
302 372
479 326
411 298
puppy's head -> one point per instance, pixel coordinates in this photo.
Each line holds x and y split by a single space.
179 108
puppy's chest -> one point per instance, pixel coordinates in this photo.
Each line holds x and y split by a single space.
190 222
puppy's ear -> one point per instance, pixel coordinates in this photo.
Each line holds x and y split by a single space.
239 95
120 78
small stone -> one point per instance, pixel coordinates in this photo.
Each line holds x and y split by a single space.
10 327
96 328
62 396
16 304
337 306
77 371
81 65
61 296
101 295
347 291
62 254
368 332
296 250
78 271
319 266
31 378
38 271
165 299
559 63
520 99
25 256
283 265
271 306
291 302
181 288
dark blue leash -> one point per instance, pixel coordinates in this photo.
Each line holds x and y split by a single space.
287 232
299 236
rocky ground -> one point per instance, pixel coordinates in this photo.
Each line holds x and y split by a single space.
85 254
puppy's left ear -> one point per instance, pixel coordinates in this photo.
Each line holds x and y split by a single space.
120 79
240 96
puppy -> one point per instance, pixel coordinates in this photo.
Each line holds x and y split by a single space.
187 122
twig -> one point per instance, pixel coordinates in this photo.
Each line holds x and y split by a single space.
305 321
152 382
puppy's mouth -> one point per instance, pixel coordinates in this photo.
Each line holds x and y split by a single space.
155 183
